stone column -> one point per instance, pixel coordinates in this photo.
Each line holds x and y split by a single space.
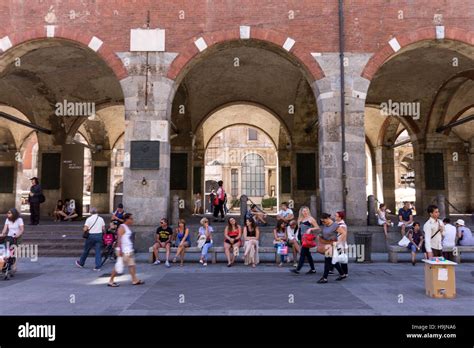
143 107
328 96
384 157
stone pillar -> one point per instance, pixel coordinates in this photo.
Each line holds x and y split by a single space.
441 203
143 108
313 206
243 209
175 211
372 210
385 173
330 148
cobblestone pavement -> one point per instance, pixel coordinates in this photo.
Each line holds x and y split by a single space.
54 286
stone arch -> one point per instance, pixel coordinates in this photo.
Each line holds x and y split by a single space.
83 38
183 62
412 38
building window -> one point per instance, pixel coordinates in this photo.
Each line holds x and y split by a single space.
234 176
253 135
253 176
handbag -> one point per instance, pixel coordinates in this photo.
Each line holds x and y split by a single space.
322 245
339 257
309 240
404 242
282 249
86 233
119 265
201 241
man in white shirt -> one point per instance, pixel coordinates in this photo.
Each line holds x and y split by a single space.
285 214
449 239
96 226
434 229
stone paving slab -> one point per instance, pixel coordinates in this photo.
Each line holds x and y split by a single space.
54 286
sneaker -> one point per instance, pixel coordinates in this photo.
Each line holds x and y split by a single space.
167 264
322 281
341 277
201 261
97 269
311 271
294 271
280 264
157 262
295 264
79 265
204 264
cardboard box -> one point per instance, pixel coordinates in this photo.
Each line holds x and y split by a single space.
440 279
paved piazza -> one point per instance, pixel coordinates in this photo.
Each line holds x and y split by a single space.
54 286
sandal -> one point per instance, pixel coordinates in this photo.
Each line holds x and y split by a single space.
140 282
113 285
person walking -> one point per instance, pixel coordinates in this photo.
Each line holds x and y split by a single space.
35 199
219 202
331 231
433 229
342 240
125 250
94 227
212 196
306 225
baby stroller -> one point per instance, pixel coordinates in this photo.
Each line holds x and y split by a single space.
109 239
7 257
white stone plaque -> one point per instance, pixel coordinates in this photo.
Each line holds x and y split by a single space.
147 40
159 131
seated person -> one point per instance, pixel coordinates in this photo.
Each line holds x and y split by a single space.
163 240
70 211
405 216
415 235
382 218
117 216
182 240
258 215
59 211
464 234
449 239
292 234
232 240
285 214
280 238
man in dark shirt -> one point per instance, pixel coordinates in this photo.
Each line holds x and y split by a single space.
35 200
163 240
405 216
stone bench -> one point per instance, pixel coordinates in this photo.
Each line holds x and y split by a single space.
212 252
393 251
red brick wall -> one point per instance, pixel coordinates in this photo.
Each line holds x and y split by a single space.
369 23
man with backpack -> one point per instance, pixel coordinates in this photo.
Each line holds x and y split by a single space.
219 202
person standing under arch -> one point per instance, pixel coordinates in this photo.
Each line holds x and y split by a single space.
219 201
35 199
